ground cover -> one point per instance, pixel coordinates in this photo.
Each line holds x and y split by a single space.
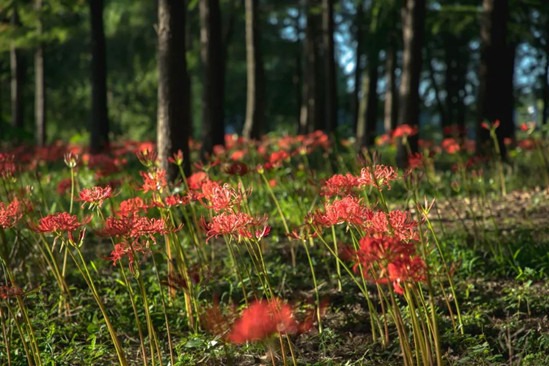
291 250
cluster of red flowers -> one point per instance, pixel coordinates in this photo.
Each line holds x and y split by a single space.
154 181
7 165
124 249
219 197
10 214
377 176
58 223
238 225
95 196
7 292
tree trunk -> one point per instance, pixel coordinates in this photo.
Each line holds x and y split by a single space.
390 105
255 100
456 60
212 55
330 96
313 96
359 30
174 120
495 84
17 79
372 101
99 130
545 89
413 24
40 87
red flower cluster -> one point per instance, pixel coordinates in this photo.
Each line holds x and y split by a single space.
95 196
450 145
378 176
59 222
134 227
388 259
132 206
263 319
10 214
154 181
124 249
404 130
7 292
347 210
340 185
239 225
7 165
220 197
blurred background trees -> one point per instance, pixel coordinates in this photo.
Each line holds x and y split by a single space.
352 67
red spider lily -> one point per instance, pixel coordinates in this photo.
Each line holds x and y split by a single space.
220 197
404 270
340 185
261 320
378 176
489 127
176 158
10 214
59 222
132 206
450 145
345 210
154 181
415 160
196 180
7 165
239 225
103 165
402 225
146 155
134 227
276 158
238 155
95 196
71 159
8 292
175 200
124 249
404 130
236 168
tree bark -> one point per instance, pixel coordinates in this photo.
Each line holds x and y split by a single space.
17 79
173 120
255 100
99 129
372 100
391 100
495 99
545 90
359 37
213 60
413 24
40 86
330 90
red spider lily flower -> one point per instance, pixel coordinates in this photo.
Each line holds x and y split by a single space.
404 270
340 185
261 320
378 176
415 160
236 168
95 196
117 226
175 200
64 186
131 207
196 180
176 158
128 250
402 225
10 214
154 181
276 158
404 130
489 127
147 155
383 140
238 155
450 145
8 292
345 210
220 197
71 159
239 225
7 165
59 222
134 227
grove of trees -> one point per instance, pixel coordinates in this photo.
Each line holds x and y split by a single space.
100 70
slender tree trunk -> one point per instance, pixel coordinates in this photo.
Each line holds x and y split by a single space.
413 24
255 101
330 90
390 105
359 30
17 80
99 131
373 99
174 120
495 85
40 86
545 89
212 55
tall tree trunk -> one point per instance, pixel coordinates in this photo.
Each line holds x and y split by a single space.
390 109
495 88
372 101
312 102
330 96
255 100
17 79
413 24
359 37
40 90
174 120
456 60
99 129
545 89
212 55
